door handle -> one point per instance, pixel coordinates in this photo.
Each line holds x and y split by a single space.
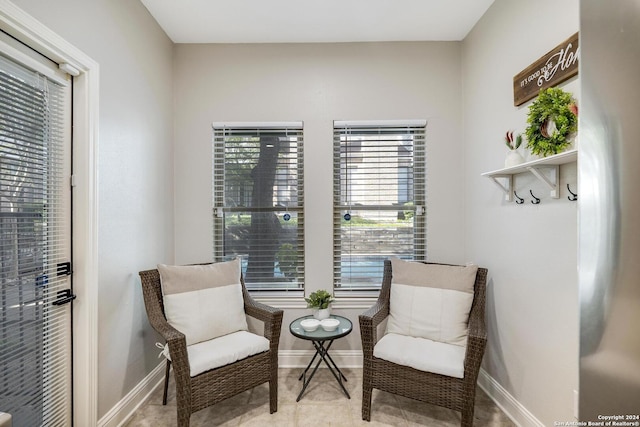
64 297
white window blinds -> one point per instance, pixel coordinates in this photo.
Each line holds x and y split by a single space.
379 199
258 201
35 350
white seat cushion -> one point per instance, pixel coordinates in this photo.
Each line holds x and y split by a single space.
422 354
431 301
203 301
222 351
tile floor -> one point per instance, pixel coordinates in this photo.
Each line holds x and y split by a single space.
323 404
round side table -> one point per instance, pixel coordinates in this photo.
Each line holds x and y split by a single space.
321 341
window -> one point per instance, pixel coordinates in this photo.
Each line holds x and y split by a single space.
258 202
379 199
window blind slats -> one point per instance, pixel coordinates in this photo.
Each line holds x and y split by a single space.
258 196
34 234
379 197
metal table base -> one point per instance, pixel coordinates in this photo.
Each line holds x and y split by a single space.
322 341
323 352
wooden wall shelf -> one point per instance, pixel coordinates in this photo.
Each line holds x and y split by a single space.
546 169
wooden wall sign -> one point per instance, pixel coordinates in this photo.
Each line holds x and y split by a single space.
556 66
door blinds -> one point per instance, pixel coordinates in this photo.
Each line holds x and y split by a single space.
35 351
379 199
258 196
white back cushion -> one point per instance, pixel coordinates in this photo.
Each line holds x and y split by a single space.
203 301
431 301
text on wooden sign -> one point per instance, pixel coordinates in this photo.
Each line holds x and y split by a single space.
556 66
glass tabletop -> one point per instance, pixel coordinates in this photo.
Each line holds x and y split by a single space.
344 328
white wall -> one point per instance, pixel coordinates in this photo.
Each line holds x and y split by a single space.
530 250
317 83
135 172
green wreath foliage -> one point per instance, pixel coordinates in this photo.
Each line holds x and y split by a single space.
552 104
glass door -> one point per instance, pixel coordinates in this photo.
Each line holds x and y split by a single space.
35 236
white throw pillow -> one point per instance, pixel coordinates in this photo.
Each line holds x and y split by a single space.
431 301
203 301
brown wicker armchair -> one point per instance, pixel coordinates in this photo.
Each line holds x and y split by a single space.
215 385
453 393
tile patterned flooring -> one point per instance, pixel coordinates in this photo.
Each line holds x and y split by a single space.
323 404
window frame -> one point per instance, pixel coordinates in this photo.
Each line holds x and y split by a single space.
346 129
221 206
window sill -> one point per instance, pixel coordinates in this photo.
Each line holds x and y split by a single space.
283 302
361 303
297 302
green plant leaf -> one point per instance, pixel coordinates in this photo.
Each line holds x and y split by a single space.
319 299
551 104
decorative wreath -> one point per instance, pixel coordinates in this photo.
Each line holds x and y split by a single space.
553 118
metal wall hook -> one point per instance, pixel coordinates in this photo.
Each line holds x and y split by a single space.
520 199
574 196
537 201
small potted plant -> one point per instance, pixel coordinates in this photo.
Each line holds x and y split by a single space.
319 302
513 157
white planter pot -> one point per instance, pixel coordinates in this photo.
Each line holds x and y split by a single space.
513 159
322 313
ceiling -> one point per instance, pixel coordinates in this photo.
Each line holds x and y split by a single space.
306 21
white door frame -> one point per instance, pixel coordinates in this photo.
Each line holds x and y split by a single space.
25 28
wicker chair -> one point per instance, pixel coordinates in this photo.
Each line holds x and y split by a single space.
453 393
215 385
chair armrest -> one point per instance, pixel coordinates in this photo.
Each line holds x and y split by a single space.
476 342
175 339
157 320
369 321
177 343
271 316
377 313
179 357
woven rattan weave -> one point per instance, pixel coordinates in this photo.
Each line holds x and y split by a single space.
453 393
213 386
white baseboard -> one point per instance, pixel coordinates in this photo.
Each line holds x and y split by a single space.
300 358
509 405
124 409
